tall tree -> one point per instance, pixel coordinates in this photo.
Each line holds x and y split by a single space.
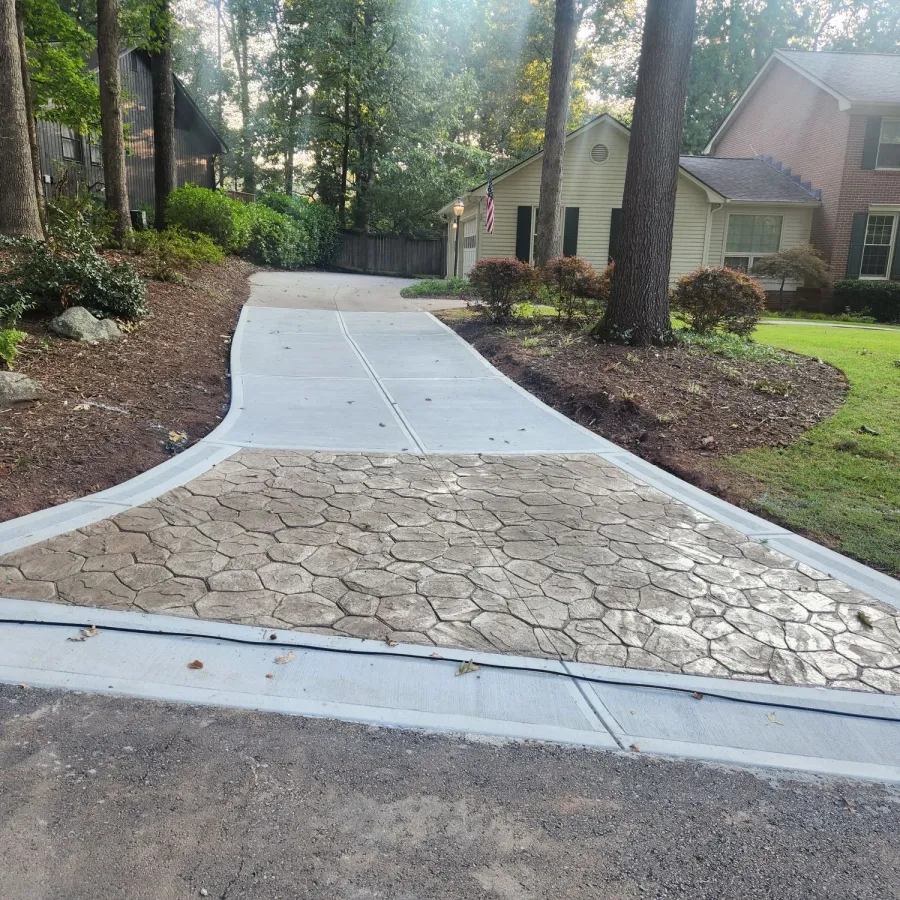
29 111
566 19
164 170
638 310
111 125
18 200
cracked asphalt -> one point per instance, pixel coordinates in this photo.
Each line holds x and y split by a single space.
104 797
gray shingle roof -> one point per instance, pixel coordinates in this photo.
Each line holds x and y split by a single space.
746 179
860 77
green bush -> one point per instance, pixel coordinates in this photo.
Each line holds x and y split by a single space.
79 222
717 299
41 277
272 238
202 211
317 224
435 287
9 345
168 252
880 299
499 284
571 283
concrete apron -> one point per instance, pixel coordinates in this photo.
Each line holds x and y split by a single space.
399 381
828 732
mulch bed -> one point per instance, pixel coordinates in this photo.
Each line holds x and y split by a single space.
677 407
110 406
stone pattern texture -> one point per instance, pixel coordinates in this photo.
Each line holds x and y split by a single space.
550 556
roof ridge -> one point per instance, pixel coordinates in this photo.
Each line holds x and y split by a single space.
836 52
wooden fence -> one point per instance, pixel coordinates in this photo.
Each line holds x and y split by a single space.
390 254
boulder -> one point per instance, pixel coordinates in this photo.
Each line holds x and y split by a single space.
79 325
16 388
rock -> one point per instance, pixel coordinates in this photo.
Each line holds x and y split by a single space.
79 325
16 388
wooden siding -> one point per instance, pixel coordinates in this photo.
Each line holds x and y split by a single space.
596 190
795 230
195 147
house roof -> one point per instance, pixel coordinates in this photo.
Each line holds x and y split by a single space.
747 179
867 80
860 77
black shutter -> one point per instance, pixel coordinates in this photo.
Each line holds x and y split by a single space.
523 233
857 242
870 146
615 232
570 232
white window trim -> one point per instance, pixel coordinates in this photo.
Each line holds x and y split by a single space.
891 245
880 142
752 257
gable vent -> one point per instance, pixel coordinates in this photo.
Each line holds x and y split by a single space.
599 153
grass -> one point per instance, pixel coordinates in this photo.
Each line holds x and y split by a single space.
840 482
435 287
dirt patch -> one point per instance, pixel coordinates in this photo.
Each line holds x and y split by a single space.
678 407
110 407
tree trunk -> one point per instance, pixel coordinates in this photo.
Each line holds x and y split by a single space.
364 179
29 113
345 158
546 240
638 310
289 141
19 213
163 108
248 170
112 133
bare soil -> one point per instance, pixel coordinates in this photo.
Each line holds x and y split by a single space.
678 407
110 407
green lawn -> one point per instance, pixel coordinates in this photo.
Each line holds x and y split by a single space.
840 482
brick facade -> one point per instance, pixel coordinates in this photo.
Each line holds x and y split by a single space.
800 125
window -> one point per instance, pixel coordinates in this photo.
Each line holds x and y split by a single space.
750 237
876 257
96 155
71 143
889 145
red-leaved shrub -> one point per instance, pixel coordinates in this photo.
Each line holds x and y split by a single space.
498 284
713 298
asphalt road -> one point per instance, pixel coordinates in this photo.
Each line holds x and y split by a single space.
104 797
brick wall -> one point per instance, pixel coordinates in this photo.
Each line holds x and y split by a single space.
859 188
790 119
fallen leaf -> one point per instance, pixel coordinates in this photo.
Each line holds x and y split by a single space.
697 695
285 658
270 675
466 667
273 637
81 407
849 804
864 619
435 656
773 719
389 642
89 632
635 748
177 436
196 664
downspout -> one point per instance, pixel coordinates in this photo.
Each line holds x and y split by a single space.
713 208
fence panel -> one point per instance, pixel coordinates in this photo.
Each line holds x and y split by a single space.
390 254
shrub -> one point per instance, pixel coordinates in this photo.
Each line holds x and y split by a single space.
317 224
801 263
202 211
712 298
41 277
571 281
272 239
499 284
10 339
169 251
880 299
79 221
435 287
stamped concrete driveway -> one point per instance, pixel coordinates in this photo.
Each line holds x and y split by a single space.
387 484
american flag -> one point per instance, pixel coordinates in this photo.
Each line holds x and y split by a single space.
489 217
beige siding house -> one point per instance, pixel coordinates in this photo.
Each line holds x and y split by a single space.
726 211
